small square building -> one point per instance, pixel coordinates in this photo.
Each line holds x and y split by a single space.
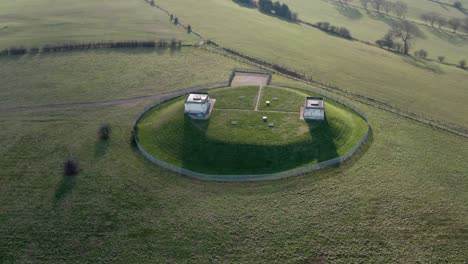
314 108
197 103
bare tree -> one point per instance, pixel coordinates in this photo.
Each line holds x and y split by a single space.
377 4
388 6
430 17
400 9
364 3
406 31
454 23
441 21
465 24
441 58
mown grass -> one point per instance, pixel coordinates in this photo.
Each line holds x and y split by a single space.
429 89
402 199
215 146
35 23
231 98
105 75
288 99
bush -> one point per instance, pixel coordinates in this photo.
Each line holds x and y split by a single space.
421 53
458 5
441 58
104 132
71 168
462 64
340 31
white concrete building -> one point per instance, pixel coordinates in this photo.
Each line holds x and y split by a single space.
197 103
314 108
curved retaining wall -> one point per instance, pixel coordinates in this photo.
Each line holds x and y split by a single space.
253 177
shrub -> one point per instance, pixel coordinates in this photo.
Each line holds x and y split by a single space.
104 132
189 29
71 167
458 5
441 58
421 53
462 64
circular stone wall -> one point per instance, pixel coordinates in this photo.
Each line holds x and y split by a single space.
249 148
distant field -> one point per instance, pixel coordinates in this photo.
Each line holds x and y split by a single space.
426 88
105 75
369 26
39 22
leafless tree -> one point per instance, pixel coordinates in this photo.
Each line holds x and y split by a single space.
454 23
388 6
364 3
406 31
377 4
430 17
400 9
441 21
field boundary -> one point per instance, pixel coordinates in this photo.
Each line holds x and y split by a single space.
253 177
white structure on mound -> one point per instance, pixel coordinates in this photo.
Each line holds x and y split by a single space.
197 103
314 108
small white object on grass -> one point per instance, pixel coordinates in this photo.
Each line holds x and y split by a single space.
268 103
271 124
265 119
234 122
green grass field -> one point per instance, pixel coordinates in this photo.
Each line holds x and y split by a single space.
215 146
105 75
430 89
39 22
402 199
231 98
288 99
370 26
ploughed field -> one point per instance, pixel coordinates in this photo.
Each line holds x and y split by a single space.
251 146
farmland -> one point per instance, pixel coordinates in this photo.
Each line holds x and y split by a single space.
402 198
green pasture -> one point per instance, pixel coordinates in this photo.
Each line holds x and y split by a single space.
231 98
39 22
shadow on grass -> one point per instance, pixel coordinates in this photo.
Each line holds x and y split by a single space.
202 154
349 12
244 5
100 148
449 37
66 186
423 64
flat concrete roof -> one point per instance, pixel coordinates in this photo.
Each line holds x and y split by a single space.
314 102
197 98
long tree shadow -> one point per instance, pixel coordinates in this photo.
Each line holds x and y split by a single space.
423 64
454 39
66 186
348 11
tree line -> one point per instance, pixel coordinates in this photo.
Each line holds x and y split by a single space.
399 8
273 8
339 31
161 44
433 19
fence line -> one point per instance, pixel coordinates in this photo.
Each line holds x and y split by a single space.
253 177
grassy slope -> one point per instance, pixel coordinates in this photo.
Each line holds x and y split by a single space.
403 200
105 75
250 147
369 26
39 22
426 88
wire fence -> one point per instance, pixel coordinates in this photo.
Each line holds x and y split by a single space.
251 177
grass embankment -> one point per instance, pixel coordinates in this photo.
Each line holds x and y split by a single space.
430 89
216 146
39 22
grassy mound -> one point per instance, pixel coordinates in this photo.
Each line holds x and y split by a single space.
216 146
